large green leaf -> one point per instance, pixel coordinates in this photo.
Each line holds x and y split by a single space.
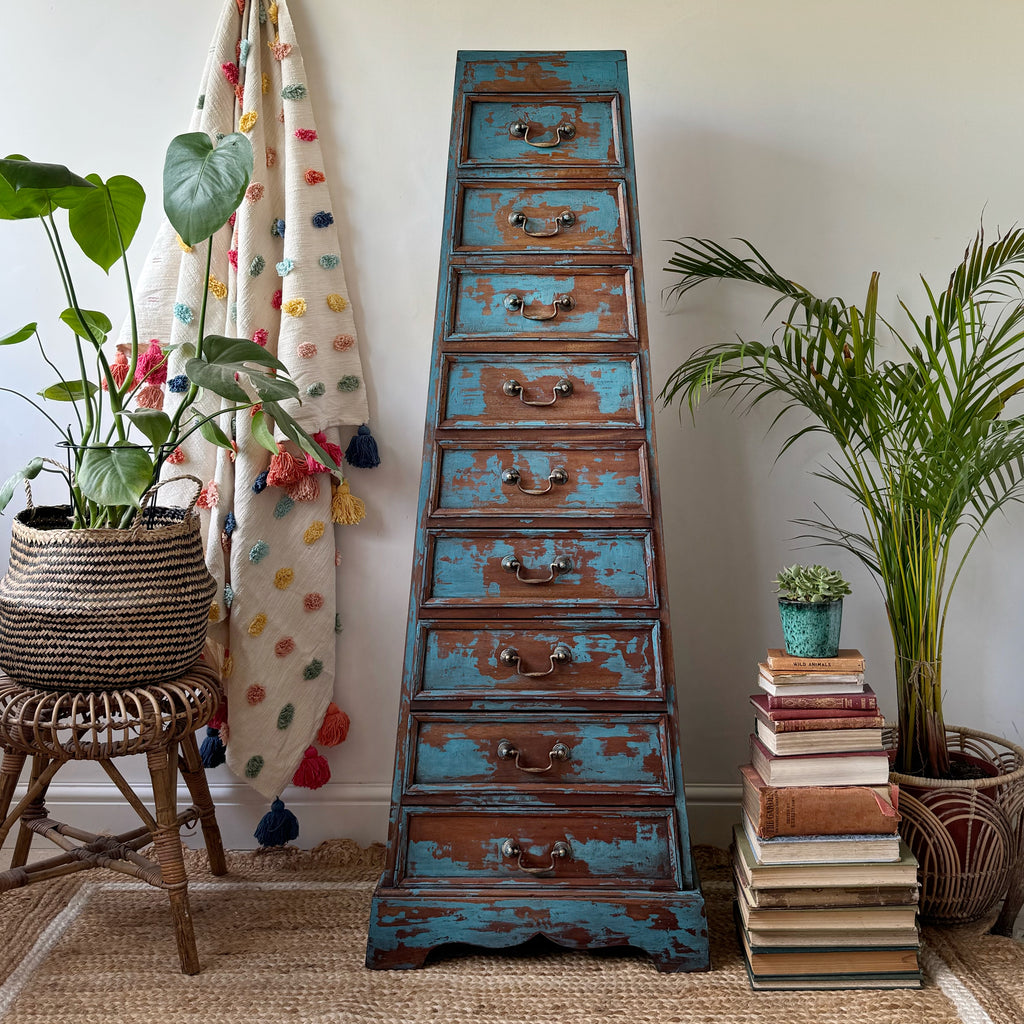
22 334
90 320
107 217
261 433
203 185
118 475
154 423
34 188
19 205
220 378
215 435
69 391
29 472
218 349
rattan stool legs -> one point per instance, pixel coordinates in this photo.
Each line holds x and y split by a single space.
160 721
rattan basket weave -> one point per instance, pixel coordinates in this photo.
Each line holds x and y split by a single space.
96 609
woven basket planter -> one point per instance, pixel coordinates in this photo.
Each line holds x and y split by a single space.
968 835
100 609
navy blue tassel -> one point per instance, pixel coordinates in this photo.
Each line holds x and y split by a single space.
362 450
278 826
212 751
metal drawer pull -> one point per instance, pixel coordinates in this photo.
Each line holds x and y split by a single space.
560 304
562 389
565 219
507 750
559 567
521 130
561 655
511 848
557 476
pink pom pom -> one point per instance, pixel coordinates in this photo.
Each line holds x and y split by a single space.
230 72
150 397
208 496
305 134
152 365
260 336
285 469
334 450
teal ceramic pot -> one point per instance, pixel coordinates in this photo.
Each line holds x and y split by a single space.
811 630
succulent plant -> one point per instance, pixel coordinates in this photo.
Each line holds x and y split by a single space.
811 584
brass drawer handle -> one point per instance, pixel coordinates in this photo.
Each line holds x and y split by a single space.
511 848
521 130
557 476
560 304
559 567
562 389
561 655
507 750
565 219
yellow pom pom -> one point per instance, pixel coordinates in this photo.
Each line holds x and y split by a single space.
337 302
294 307
313 532
265 82
182 245
219 288
272 14
283 578
215 612
257 625
346 508
247 121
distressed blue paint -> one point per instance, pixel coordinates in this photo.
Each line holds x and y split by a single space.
480 305
610 380
579 71
485 213
489 141
614 565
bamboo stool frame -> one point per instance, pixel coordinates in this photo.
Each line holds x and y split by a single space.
159 721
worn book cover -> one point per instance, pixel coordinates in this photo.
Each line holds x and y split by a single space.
847 660
800 678
822 849
846 768
817 741
822 721
862 700
819 810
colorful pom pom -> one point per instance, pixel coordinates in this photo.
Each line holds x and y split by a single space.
229 595
343 342
258 624
337 303
277 228
317 389
253 766
257 266
280 50
208 496
314 177
259 551
349 383
271 155
294 307
284 647
285 267
152 365
230 523
286 716
283 507
313 602
260 336
323 219
230 72
248 120
178 385
275 299
218 288
260 483
284 578
313 772
313 669
334 728
329 260
306 134
177 457
314 532
183 313
306 350
294 92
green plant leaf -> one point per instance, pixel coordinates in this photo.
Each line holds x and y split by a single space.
203 185
69 391
19 205
215 435
107 217
29 472
23 334
291 429
118 475
218 349
154 423
92 319
32 189
261 432
220 379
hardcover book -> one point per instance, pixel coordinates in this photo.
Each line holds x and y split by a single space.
847 768
811 721
817 741
819 810
859 849
859 702
799 678
847 660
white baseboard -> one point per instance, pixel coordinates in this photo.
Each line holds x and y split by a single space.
354 810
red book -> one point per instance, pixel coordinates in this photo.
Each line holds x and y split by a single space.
796 721
827 702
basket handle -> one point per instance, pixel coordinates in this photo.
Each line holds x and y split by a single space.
137 521
30 504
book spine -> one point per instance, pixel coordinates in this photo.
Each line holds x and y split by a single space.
823 724
838 701
823 811
816 664
808 714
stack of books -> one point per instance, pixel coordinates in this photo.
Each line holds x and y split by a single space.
826 891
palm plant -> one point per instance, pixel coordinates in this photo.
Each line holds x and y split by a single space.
924 445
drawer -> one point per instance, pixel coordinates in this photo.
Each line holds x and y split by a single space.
501 305
570 661
516 390
548 130
606 754
563 848
558 568
541 479
553 217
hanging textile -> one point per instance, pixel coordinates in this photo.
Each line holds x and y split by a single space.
277 279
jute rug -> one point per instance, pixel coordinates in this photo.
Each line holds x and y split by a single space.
282 938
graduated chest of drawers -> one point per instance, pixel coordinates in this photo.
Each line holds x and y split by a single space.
538 783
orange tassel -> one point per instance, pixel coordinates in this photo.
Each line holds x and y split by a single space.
285 469
334 729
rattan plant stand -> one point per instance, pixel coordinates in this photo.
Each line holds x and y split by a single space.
159 720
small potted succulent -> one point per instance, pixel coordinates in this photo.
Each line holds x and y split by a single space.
811 609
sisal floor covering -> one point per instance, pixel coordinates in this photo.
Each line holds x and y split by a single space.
282 938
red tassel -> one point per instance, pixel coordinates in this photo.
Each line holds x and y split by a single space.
220 716
314 770
334 729
285 469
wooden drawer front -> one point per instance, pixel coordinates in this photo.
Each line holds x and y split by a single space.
602 391
495 479
494 132
620 660
504 217
557 568
611 753
521 305
495 848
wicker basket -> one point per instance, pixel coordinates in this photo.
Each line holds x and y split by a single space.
96 609
967 834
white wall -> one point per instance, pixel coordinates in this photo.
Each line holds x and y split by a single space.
840 137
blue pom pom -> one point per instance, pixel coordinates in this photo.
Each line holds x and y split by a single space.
277 228
260 484
212 751
278 826
179 384
323 219
230 523
362 450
